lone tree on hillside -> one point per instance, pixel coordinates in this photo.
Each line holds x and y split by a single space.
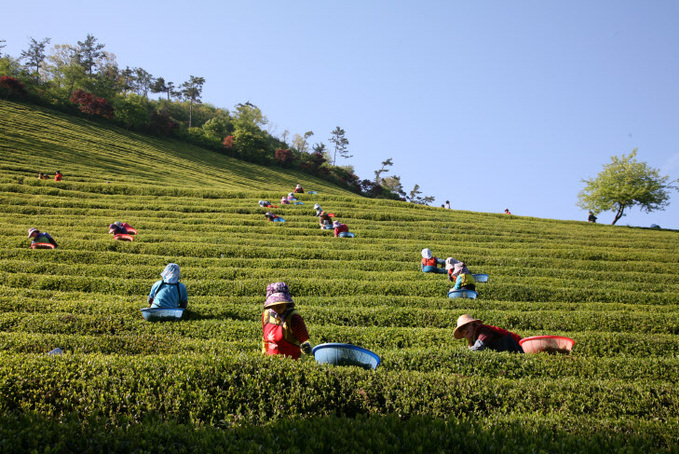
625 183
192 90
88 53
35 55
416 198
378 173
341 142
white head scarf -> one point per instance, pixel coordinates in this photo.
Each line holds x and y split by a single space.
460 268
450 263
426 253
171 274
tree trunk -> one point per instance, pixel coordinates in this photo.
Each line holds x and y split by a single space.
618 214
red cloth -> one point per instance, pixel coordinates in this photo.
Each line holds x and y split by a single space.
283 339
341 228
489 333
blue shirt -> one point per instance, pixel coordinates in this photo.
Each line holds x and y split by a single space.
169 295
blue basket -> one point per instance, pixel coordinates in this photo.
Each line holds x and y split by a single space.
279 220
480 277
462 294
159 314
345 355
346 235
299 203
312 192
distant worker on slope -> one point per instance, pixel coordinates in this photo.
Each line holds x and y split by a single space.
58 176
299 189
169 292
429 263
340 228
464 280
285 201
324 220
507 211
591 217
480 336
121 228
283 329
41 238
270 216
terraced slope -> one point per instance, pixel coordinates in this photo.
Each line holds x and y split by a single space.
612 289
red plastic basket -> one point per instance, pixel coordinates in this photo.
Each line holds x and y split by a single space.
42 246
123 237
549 344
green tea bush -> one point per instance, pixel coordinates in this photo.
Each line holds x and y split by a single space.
125 385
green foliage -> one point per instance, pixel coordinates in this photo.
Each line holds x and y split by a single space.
623 184
201 384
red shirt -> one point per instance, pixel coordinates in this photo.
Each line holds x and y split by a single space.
489 333
283 334
341 228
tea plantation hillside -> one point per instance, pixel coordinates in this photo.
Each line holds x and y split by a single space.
202 384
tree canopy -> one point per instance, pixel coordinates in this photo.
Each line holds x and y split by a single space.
340 142
625 183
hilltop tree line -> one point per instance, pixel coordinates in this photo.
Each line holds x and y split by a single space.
86 79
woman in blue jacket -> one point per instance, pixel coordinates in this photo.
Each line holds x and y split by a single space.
169 292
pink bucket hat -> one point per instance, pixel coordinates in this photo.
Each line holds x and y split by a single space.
277 293
459 267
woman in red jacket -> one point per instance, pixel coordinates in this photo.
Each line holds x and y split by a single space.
480 336
283 329
340 228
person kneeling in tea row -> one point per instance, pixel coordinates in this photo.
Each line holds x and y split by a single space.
283 329
169 292
480 336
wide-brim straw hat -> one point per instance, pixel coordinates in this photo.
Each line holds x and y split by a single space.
32 231
463 321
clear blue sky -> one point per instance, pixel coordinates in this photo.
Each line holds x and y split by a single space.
489 104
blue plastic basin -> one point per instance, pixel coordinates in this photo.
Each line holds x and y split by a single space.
159 314
345 355
480 277
462 294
